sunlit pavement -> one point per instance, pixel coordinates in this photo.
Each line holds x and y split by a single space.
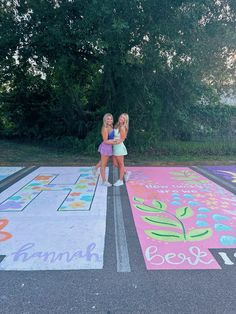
165 242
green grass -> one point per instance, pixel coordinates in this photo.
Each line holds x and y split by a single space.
170 153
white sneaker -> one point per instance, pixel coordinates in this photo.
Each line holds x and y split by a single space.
127 175
106 183
118 183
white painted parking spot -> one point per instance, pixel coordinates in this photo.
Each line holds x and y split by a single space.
54 218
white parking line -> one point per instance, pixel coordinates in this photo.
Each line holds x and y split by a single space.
122 254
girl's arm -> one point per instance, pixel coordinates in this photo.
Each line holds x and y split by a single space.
122 135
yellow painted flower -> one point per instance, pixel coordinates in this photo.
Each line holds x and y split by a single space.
79 204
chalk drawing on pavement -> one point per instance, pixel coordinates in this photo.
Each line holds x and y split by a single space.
179 215
57 219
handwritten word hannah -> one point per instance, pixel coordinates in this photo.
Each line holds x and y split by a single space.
24 254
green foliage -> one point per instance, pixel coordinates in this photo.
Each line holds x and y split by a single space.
212 147
64 64
167 219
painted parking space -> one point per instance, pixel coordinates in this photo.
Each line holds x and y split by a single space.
7 171
181 217
53 218
227 173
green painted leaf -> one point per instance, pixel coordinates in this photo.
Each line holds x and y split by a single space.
193 182
162 221
199 234
175 173
185 178
147 208
184 212
165 235
138 199
159 205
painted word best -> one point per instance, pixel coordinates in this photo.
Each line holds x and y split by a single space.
195 257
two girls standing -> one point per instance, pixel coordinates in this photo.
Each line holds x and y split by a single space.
113 145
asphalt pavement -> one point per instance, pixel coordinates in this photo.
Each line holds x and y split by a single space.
124 285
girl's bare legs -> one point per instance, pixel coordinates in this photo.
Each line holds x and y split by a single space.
98 165
114 161
104 160
120 162
126 173
95 168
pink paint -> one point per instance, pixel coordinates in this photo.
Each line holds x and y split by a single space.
190 215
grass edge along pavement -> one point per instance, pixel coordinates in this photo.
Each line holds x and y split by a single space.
26 154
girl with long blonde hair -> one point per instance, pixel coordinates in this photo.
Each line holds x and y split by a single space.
119 150
105 148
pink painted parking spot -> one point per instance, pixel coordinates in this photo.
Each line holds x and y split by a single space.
179 215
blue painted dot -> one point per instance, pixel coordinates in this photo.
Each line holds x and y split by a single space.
15 198
220 217
227 240
204 209
175 194
188 195
201 223
201 216
175 203
222 227
86 198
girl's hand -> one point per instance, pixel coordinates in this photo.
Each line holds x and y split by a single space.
118 141
111 142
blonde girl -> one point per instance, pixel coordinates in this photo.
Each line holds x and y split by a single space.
105 148
119 149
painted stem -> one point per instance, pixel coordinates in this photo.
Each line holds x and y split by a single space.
182 225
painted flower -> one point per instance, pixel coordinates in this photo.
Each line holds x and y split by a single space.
75 194
3 234
42 178
77 204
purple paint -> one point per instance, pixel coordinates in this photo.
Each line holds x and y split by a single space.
25 254
226 172
10 205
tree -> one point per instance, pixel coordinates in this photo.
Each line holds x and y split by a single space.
154 59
